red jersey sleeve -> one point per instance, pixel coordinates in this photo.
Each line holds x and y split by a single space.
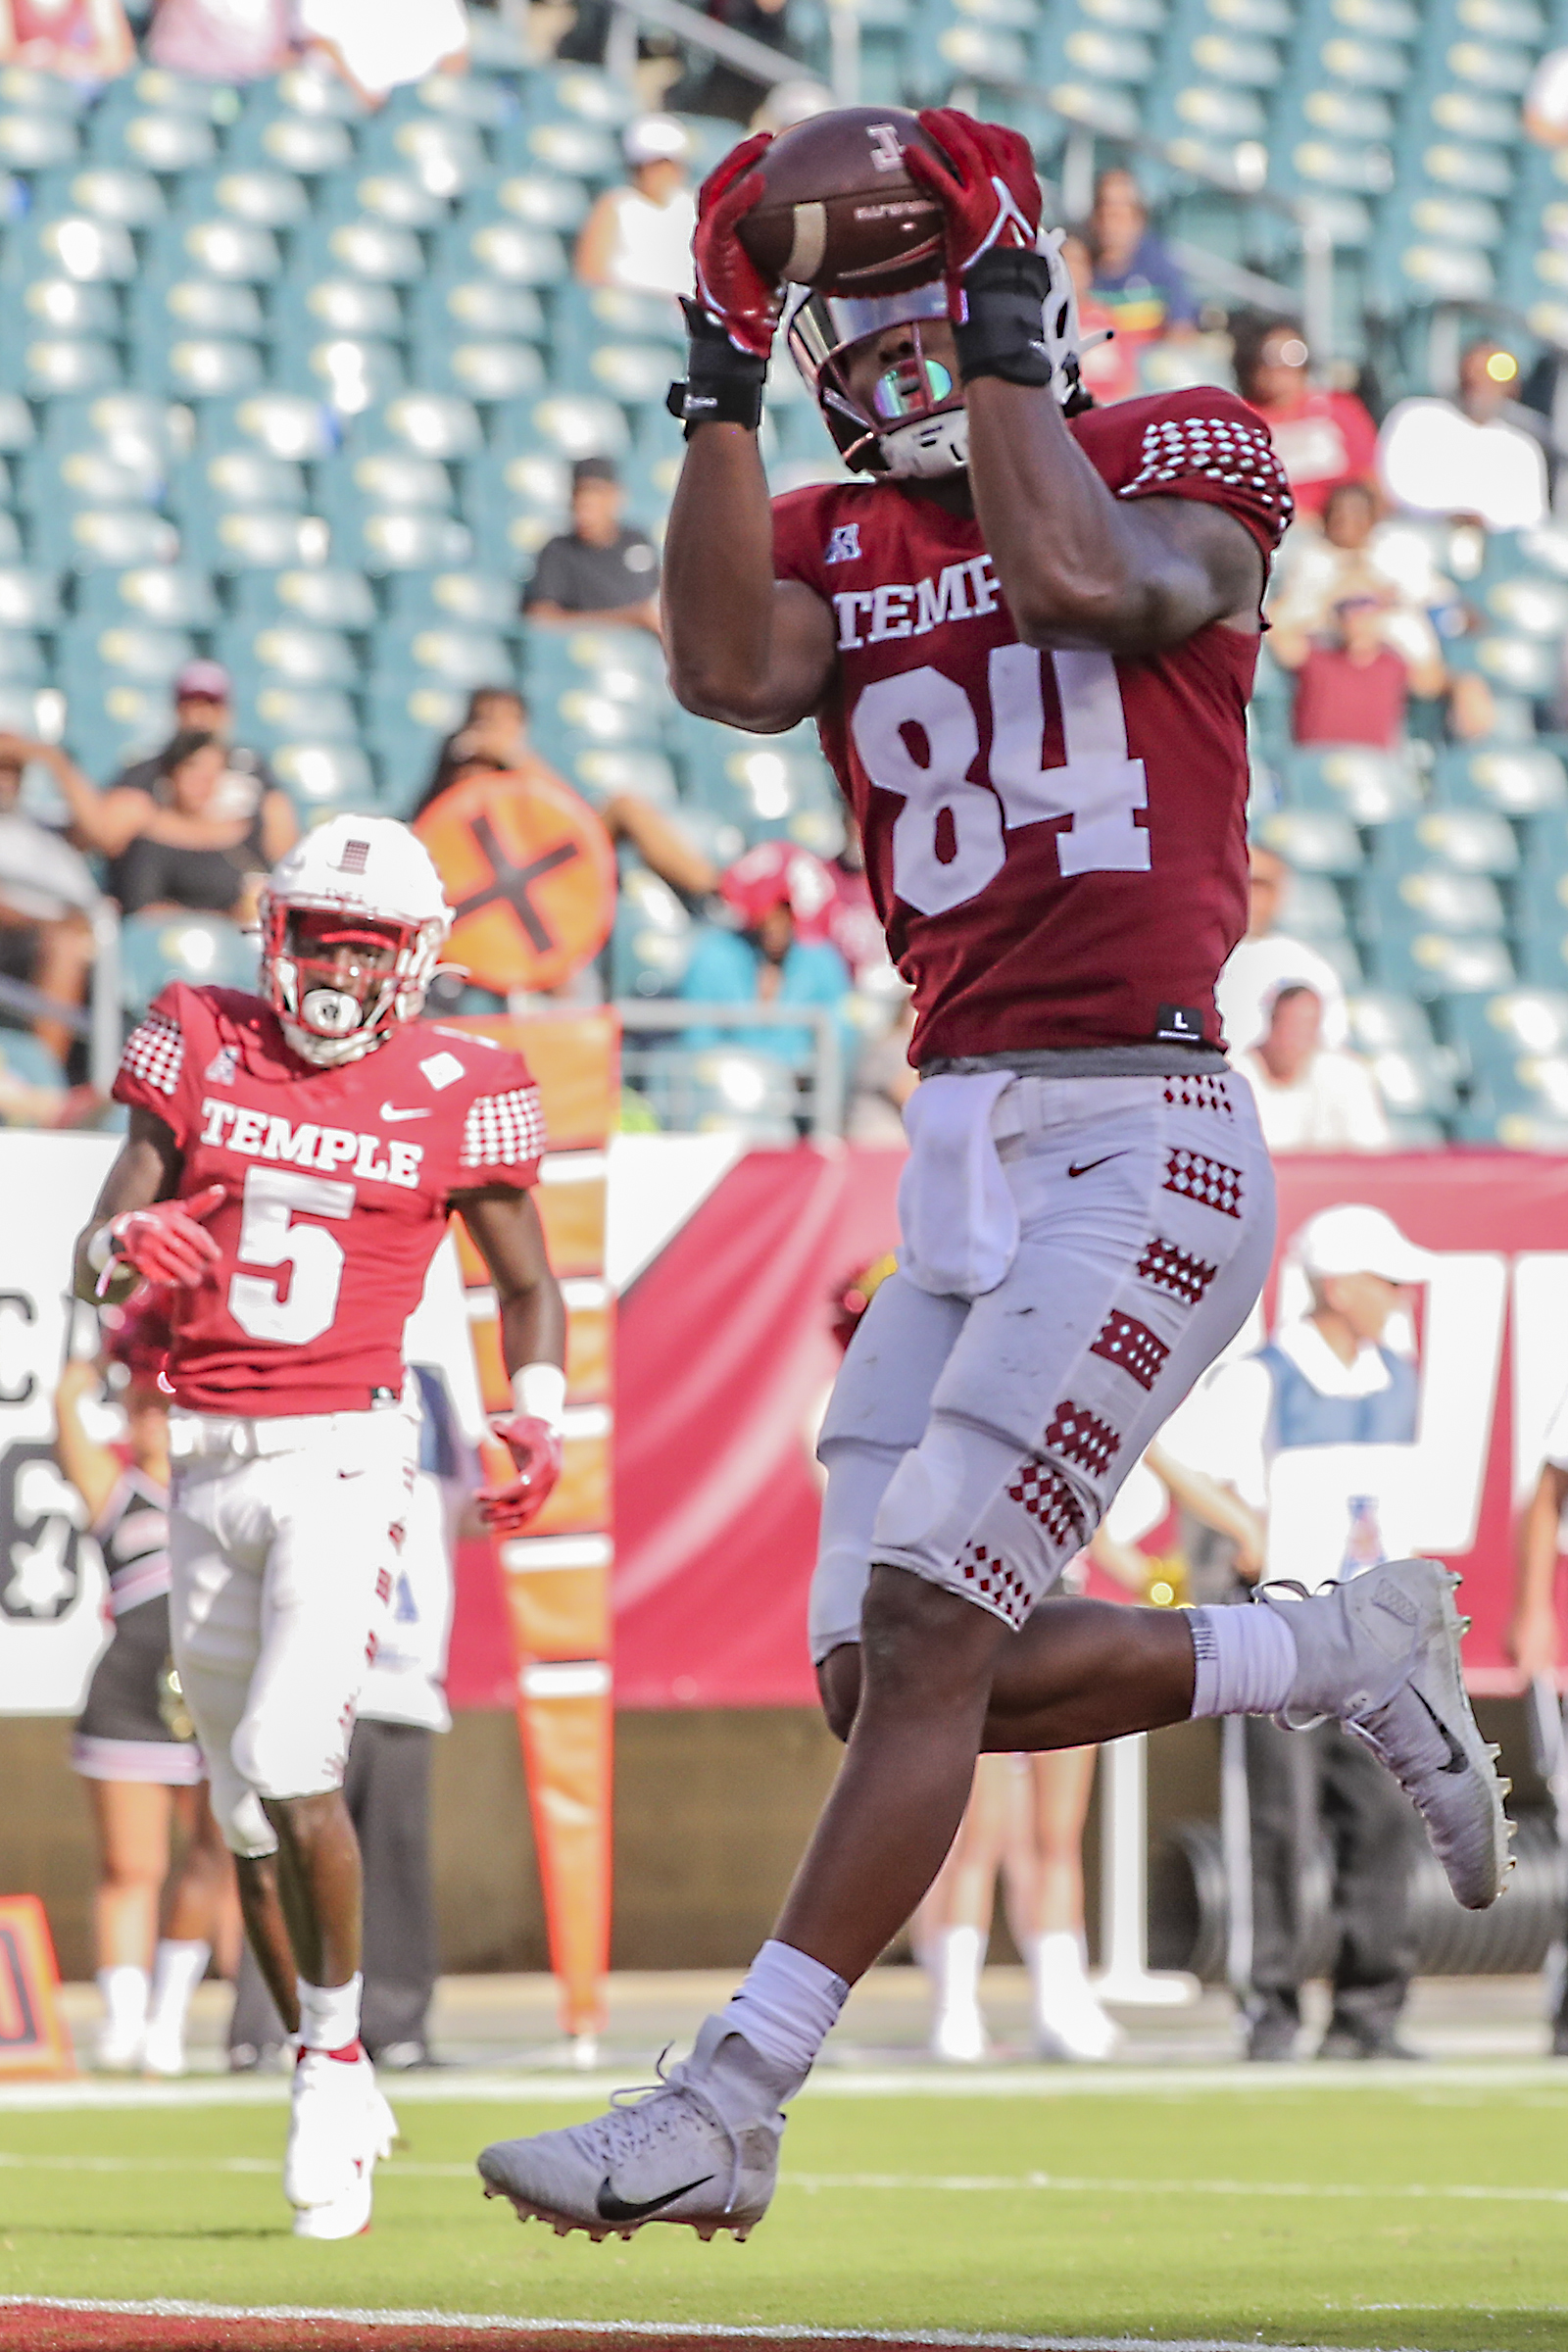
815 529
501 1135
155 1068
1203 443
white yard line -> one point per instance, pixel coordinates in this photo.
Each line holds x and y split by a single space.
563 2087
466 2323
938 2183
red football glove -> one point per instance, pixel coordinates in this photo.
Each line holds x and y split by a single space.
730 287
168 1242
986 185
535 1449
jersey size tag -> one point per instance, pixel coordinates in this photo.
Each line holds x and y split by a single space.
1178 1025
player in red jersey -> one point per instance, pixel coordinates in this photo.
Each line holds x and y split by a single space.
1027 641
291 1164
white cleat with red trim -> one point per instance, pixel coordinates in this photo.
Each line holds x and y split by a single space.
339 2126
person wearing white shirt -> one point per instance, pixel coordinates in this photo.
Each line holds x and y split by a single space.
1267 960
640 236
1326 1382
1467 456
1310 1098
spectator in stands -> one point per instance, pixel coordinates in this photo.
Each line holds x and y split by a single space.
1267 959
1109 368
381 49
1479 454
711 86
221 40
602 569
175 846
1136 279
46 892
85 40
640 236
204 705
1323 438
494 734
1310 1097
1351 685
780 899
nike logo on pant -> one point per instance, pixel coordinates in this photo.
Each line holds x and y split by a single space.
616 2209
1082 1167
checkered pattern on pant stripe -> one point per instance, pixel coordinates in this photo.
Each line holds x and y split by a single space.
1126 1342
1047 1497
1081 1436
991 1577
1168 1268
1197 1177
1196 1090
155 1052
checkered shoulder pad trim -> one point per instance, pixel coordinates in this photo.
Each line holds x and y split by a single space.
503 1131
1235 456
155 1052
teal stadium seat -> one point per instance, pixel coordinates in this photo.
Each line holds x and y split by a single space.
155 948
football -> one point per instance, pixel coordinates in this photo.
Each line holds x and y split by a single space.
840 210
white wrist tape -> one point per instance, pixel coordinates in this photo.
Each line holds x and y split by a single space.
540 1391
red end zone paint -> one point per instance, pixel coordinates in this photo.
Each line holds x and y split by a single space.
45 2328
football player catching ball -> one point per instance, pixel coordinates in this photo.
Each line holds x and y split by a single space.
291 1164
1028 640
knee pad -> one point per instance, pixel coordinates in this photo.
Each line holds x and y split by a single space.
237 1811
282 1759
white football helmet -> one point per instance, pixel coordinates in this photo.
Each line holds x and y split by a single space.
353 923
912 423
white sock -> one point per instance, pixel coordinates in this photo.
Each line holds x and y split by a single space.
330 2014
1246 1660
177 1969
123 1993
955 1958
788 2005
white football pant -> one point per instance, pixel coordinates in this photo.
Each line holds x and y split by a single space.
283 1538
977 1440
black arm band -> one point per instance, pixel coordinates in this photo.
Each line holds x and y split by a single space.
1004 333
722 385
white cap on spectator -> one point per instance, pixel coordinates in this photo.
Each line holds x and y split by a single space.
657 139
1357 1239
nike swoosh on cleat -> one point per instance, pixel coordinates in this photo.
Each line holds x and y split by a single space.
1083 1166
1457 1761
393 1117
616 2209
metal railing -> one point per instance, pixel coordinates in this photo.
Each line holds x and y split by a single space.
100 1022
671 1075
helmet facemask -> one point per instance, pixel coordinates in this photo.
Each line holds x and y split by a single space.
340 980
913 424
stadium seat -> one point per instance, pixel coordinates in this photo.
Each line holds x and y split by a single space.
1517 781
273 713
204 950
652 941
1313 841
1465 840
1370 787
164 595
487 599
325 598
322 778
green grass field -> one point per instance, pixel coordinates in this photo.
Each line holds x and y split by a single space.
1423 2208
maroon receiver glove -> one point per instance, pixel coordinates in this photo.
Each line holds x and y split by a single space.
535 1449
730 287
168 1242
986 185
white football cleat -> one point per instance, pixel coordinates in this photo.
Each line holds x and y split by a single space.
163 2050
701 2148
339 2126
958 2036
1070 2023
117 2048
1381 1654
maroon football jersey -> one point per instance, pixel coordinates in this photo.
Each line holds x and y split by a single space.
337 1189
1055 841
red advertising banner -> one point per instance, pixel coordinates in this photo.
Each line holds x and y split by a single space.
726 1355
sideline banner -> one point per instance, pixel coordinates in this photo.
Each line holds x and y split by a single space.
726 1355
